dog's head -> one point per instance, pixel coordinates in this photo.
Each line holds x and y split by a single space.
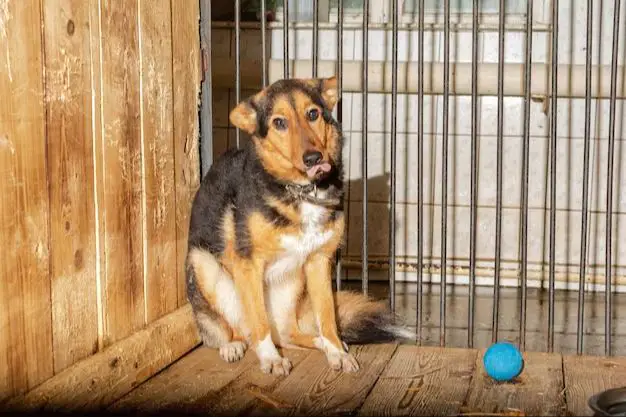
292 127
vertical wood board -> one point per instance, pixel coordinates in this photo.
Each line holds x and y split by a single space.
70 162
186 84
123 280
25 315
159 197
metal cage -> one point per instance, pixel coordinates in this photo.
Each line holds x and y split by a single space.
417 85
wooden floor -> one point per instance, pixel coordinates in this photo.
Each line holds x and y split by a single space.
394 380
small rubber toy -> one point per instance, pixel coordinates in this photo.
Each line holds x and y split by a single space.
503 361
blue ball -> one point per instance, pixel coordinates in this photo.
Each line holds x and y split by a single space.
503 361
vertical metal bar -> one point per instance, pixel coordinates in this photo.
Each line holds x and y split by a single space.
474 176
525 165
339 112
584 211
364 248
500 125
420 171
444 173
392 190
553 150
206 106
286 39
264 41
237 60
608 305
316 23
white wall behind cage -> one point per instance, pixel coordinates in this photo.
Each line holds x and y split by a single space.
570 133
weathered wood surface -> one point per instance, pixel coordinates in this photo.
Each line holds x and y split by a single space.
588 375
537 391
120 101
70 139
186 90
422 381
157 137
26 356
99 380
96 191
313 388
393 381
202 382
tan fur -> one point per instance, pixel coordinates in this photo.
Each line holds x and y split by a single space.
281 151
300 310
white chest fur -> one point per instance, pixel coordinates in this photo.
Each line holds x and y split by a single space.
297 248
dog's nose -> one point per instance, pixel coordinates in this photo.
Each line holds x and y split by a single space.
311 158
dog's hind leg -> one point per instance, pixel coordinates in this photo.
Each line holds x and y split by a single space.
214 329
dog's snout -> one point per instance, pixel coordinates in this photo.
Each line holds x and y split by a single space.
311 158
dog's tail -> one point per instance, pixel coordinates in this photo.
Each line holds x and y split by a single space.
360 320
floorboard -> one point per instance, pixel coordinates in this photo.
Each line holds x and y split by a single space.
192 377
422 381
240 394
313 388
588 375
394 380
538 391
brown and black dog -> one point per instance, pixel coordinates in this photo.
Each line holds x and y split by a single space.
265 226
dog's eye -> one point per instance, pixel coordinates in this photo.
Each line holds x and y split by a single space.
280 123
313 114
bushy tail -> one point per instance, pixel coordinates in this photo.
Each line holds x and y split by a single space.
361 320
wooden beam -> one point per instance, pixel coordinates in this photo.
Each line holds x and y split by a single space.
96 382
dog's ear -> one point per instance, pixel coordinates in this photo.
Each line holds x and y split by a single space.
329 91
244 116
327 88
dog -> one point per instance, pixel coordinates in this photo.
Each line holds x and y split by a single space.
265 225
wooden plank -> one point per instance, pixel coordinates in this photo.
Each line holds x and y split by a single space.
315 389
25 315
422 381
202 382
98 164
240 394
187 74
124 307
589 375
538 391
158 155
70 162
101 379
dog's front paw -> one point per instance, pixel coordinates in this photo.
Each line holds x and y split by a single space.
233 351
338 359
342 361
277 365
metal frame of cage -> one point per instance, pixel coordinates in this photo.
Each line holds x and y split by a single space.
206 153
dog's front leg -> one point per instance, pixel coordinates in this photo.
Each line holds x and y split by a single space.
319 287
248 277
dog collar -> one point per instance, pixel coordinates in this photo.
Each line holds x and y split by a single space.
309 193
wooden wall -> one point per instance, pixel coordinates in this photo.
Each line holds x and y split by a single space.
98 166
